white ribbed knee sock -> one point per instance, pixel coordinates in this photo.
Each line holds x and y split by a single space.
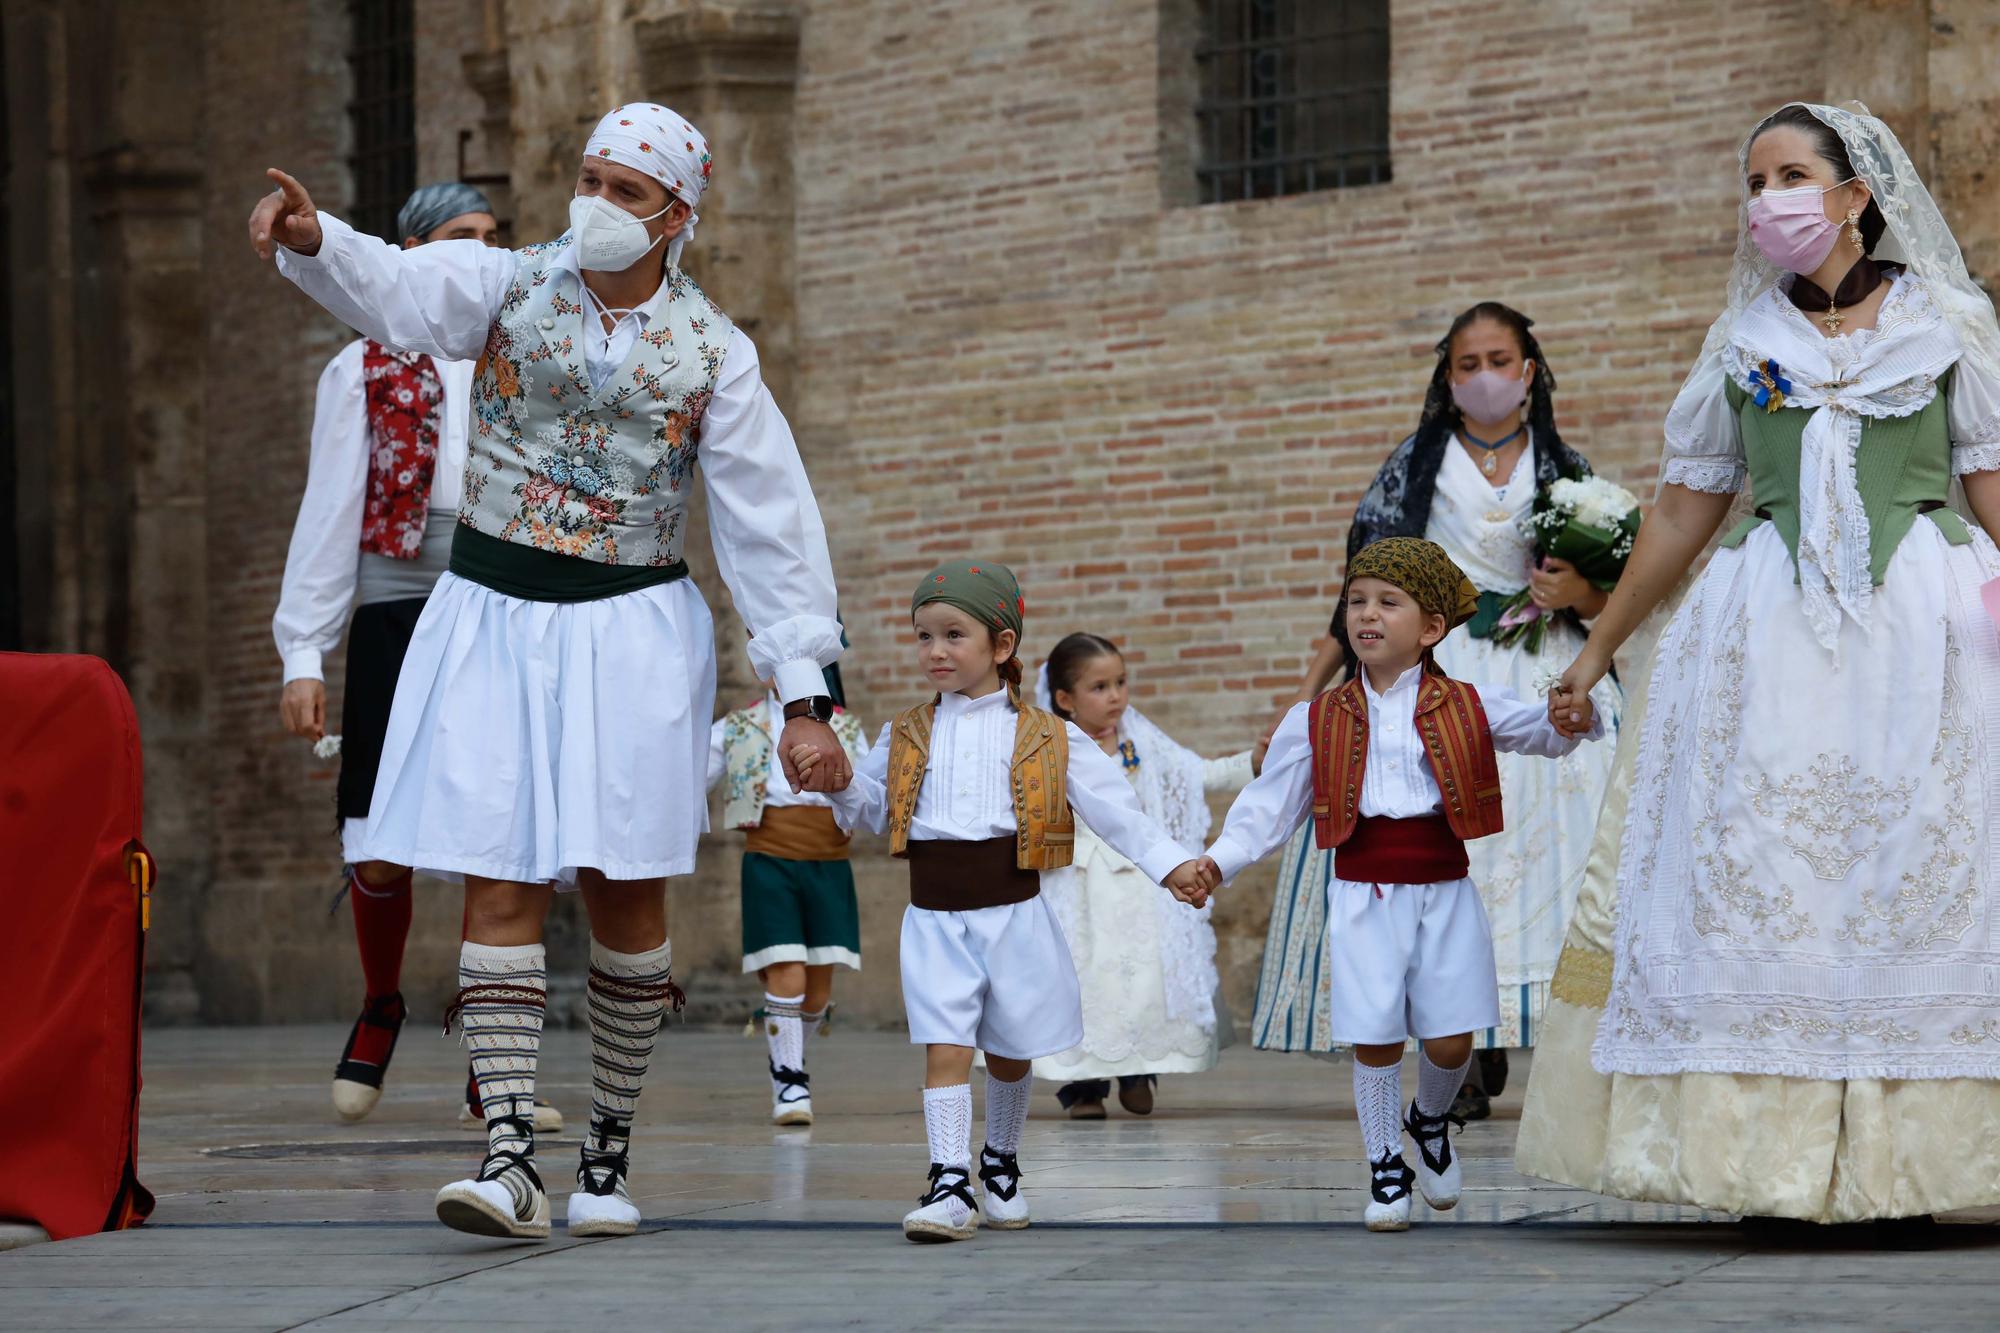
948 1124
783 1030
1006 1111
1378 1103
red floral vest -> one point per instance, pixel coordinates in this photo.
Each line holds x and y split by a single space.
1456 737
405 401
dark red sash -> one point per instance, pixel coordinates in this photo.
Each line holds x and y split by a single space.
1401 851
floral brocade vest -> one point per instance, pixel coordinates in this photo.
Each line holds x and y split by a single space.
600 471
1456 738
405 399
746 759
1045 836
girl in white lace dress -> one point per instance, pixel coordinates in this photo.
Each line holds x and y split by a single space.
1798 1011
1145 961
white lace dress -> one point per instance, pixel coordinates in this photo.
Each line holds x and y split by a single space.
1782 994
1145 962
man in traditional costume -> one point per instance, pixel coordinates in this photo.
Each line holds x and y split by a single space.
550 725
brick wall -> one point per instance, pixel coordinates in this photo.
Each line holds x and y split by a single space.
1008 335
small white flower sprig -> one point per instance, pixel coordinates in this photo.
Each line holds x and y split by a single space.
326 747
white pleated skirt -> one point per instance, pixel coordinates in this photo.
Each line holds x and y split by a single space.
531 740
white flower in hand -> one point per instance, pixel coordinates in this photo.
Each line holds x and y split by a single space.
326 747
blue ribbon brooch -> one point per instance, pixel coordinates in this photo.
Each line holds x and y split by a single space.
1768 386
1128 755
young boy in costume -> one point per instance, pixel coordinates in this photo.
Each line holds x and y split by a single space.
980 792
1398 772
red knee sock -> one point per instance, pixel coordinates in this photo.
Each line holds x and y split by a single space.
381 925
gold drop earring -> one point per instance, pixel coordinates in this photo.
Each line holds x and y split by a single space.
1854 229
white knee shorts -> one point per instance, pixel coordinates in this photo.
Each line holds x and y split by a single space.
998 979
1409 960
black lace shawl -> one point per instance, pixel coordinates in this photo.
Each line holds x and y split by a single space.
1398 502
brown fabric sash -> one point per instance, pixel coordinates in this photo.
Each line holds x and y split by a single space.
948 876
1401 851
797 833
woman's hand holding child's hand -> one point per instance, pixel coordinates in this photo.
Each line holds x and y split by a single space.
1573 714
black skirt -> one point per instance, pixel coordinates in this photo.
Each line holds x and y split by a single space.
377 638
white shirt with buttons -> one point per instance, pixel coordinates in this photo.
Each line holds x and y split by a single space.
1398 783
967 793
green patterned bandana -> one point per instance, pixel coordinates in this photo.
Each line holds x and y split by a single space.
1422 569
984 589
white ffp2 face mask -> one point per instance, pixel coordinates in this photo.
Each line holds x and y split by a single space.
606 237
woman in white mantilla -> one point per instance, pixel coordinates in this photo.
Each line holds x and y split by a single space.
1485 445
1145 961
1796 1005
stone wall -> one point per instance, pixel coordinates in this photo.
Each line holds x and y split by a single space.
961 234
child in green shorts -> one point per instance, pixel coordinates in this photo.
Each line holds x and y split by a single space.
800 918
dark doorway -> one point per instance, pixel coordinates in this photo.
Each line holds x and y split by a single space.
10 537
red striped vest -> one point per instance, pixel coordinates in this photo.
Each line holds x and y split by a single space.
405 400
1453 725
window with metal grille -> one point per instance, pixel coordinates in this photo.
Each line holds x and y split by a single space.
383 112
1294 96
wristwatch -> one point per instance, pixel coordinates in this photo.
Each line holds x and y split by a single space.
819 708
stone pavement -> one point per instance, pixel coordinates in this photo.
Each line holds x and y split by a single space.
1234 1204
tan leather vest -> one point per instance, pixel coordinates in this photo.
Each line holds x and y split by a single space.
1046 836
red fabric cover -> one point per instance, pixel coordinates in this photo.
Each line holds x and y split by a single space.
72 946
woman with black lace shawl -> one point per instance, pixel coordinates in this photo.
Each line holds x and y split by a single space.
1486 444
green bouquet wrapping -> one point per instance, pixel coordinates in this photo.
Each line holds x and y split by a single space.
1589 522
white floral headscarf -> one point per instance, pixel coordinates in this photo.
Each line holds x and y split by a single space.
658 141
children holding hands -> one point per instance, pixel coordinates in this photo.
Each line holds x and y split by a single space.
980 792
1397 769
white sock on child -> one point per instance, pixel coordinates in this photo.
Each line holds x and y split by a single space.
1437 1088
1006 1111
782 1030
1378 1103
948 1124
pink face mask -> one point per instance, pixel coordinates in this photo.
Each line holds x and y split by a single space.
1487 395
1792 229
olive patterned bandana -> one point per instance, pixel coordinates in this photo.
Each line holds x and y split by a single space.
986 590
1423 570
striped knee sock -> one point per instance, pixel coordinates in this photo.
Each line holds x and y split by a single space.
628 999
503 990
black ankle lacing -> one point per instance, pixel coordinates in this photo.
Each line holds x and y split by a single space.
1391 1179
994 1165
1423 1128
500 1160
791 1079
949 1182
599 1173
598 1169
385 1011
